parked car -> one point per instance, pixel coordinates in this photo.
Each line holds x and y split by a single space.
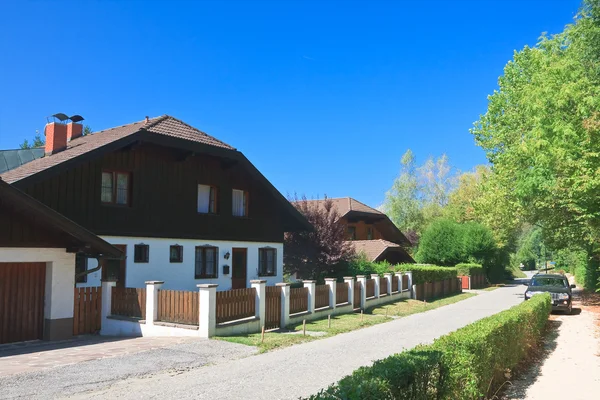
557 285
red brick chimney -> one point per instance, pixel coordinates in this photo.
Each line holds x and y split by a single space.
74 130
56 137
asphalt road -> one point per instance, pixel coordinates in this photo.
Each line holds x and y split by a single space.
304 369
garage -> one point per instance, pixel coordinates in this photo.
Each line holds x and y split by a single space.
22 287
37 267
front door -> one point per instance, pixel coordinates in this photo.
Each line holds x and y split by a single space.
239 261
116 269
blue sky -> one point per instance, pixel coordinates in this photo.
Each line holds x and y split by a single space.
322 96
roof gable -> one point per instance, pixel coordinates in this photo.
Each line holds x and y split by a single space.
345 205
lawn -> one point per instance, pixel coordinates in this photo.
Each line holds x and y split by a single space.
315 330
340 323
407 307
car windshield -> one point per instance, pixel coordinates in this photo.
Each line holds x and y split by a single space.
557 282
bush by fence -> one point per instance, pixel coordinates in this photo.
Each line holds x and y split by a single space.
467 364
469 269
427 273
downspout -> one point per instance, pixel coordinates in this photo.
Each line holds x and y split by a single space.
100 260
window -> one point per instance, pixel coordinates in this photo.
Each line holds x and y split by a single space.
115 187
206 262
240 203
141 253
267 262
207 199
369 233
176 254
81 264
351 233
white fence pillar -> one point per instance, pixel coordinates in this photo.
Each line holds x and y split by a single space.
387 280
106 299
331 282
350 282
285 304
152 288
362 279
377 281
261 299
208 310
311 285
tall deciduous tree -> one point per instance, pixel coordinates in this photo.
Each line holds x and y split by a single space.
541 133
322 252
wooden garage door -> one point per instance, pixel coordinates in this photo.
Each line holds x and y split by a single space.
21 301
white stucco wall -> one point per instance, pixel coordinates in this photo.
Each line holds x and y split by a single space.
60 276
180 276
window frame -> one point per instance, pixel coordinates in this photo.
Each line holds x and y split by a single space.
351 232
115 173
142 260
246 202
263 259
203 274
213 198
370 235
78 258
179 259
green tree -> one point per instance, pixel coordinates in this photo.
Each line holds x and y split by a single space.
540 133
37 142
442 243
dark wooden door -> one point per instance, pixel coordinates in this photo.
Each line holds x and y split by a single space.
116 269
239 263
22 287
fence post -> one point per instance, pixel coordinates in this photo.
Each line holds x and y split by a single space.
363 290
387 280
411 286
261 299
377 282
285 304
331 282
311 285
152 301
350 282
208 309
106 300
469 280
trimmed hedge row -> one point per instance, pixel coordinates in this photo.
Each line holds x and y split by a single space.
427 273
469 269
467 364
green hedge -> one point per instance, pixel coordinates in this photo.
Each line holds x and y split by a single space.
467 364
469 269
427 273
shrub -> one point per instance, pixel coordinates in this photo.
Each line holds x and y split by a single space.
467 364
441 243
427 273
362 266
469 269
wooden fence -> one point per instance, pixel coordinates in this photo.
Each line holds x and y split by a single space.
87 310
236 304
321 296
394 283
433 290
298 300
370 288
383 286
273 307
357 294
178 306
128 302
341 293
405 283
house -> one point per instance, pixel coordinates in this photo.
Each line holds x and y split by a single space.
38 247
371 232
184 207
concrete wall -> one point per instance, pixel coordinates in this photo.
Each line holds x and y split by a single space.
60 280
180 276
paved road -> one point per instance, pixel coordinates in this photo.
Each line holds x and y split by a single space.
304 369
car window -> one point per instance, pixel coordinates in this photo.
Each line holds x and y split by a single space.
556 282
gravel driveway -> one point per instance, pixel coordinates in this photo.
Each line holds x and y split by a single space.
304 369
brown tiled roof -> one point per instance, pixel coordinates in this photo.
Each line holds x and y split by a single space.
373 248
164 125
346 204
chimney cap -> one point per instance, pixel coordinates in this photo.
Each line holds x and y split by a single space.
147 119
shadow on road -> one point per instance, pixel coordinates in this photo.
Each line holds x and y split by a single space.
13 349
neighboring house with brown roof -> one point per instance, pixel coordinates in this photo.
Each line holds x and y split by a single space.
371 231
185 207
